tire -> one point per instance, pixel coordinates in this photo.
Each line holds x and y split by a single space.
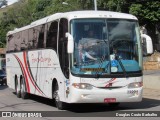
59 104
24 93
18 91
1 83
5 82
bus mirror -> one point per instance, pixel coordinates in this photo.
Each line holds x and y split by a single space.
147 44
70 46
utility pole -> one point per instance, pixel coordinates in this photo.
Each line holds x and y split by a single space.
95 5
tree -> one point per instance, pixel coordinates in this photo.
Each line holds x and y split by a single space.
26 11
113 5
3 2
148 13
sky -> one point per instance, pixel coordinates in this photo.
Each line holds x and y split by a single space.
11 1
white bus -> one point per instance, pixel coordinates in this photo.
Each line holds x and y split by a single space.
43 58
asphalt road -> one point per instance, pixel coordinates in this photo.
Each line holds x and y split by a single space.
9 102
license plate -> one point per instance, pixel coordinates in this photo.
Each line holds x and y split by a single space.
110 100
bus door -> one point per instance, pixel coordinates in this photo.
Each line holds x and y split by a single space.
63 55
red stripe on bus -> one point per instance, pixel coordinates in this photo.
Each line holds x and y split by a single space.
29 74
109 82
25 75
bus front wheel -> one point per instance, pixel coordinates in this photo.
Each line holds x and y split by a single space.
59 104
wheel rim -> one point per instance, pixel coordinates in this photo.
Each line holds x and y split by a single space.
16 87
56 96
22 88
59 104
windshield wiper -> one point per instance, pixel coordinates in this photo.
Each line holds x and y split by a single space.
117 57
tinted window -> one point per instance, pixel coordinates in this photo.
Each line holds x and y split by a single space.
33 38
10 46
41 36
52 35
18 41
62 48
24 40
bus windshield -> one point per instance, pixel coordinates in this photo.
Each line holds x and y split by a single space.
105 46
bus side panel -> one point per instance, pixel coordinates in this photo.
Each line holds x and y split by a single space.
13 69
43 68
39 68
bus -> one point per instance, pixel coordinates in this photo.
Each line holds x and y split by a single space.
3 71
43 58
2 64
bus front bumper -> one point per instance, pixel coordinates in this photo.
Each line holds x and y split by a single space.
106 95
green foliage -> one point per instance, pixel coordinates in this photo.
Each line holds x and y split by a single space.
116 5
86 4
26 11
147 12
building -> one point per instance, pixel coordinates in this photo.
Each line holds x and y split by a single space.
2 52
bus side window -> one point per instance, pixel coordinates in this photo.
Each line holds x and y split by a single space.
33 37
52 35
41 36
30 38
17 41
24 40
10 46
62 47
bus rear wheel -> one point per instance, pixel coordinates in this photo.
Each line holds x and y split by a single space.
59 104
18 90
24 94
5 82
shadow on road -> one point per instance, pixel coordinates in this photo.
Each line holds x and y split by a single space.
145 104
40 99
91 108
2 87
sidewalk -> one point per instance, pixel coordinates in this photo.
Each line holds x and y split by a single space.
151 93
151 84
151 79
151 72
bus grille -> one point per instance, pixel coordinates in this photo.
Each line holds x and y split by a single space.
110 87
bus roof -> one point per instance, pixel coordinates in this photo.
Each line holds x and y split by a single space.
75 15
98 14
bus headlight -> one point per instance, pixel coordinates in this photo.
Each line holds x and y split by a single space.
135 85
82 86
